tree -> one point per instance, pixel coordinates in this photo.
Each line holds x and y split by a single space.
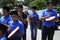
55 2
6 2
28 1
40 4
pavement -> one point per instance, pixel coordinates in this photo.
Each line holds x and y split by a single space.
56 36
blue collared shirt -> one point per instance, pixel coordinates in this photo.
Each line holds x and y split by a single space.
5 19
34 14
13 25
3 37
52 13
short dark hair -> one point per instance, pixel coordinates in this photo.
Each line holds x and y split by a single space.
6 8
34 7
14 13
21 6
49 3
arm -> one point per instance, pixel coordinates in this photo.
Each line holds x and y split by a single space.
24 18
8 29
29 18
54 14
37 18
43 18
13 32
54 20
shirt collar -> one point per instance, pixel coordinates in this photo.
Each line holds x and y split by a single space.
6 16
49 10
15 22
34 12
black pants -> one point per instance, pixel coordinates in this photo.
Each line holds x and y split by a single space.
48 32
24 36
15 38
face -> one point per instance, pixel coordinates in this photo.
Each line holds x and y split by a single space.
5 13
33 10
19 9
50 6
14 17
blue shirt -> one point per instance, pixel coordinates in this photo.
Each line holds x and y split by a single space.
3 37
34 14
5 19
13 25
52 13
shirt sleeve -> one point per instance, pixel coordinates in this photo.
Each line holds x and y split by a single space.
30 16
37 17
43 13
8 23
21 28
1 20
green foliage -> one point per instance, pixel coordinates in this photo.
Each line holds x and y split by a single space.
55 2
6 2
27 2
57 9
40 4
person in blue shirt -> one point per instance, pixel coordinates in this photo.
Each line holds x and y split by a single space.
16 23
3 29
6 15
34 18
48 28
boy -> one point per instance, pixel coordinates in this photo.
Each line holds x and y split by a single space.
14 24
23 18
34 18
6 15
3 29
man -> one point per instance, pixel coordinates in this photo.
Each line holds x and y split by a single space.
48 28
23 18
14 24
33 18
